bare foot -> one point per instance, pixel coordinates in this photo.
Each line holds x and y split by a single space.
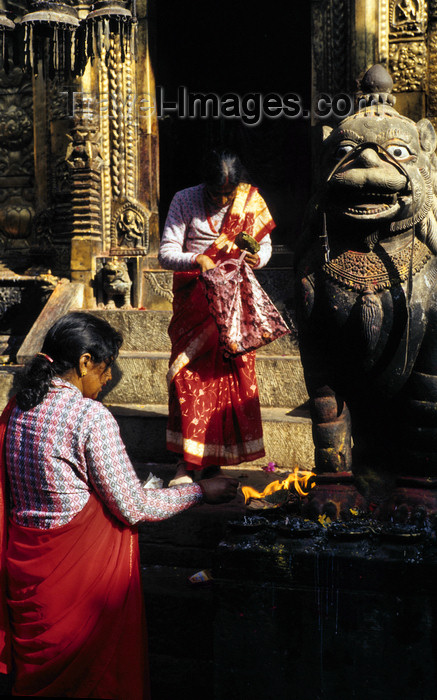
182 476
181 470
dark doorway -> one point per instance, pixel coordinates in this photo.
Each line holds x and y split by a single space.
232 47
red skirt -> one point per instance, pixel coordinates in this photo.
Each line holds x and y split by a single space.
214 410
76 609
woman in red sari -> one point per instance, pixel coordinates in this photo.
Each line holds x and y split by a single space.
214 411
72 618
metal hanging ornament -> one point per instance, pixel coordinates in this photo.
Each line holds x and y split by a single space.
108 17
6 28
49 34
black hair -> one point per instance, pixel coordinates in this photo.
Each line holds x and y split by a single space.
221 166
67 340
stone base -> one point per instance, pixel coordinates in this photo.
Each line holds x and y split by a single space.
325 619
7 384
157 290
403 500
302 616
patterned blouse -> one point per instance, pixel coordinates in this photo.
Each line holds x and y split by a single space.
66 447
187 232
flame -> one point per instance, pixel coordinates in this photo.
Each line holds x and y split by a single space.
298 478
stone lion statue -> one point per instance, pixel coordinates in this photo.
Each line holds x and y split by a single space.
116 283
367 294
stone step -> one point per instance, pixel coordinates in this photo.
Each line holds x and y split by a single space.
146 330
287 435
280 378
140 377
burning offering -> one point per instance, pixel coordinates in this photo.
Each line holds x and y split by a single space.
278 492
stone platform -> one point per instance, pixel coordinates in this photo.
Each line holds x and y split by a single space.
318 614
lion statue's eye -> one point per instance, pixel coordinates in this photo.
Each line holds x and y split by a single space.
398 152
342 150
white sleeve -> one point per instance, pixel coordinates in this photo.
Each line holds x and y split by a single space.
171 251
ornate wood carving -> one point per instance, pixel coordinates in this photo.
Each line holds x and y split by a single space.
105 144
84 161
432 68
408 64
160 284
16 167
383 31
330 36
130 230
119 145
407 18
408 51
87 186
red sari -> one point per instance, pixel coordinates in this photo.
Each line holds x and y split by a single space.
214 411
75 616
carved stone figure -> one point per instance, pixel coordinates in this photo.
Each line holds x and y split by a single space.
130 228
406 10
83 147
367 297
116 283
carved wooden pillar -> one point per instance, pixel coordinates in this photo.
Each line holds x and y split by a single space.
330 46
128 146
432 62
408 55
349 37
83 162
96 149
157 283
364 36
125 220
345 43
67 157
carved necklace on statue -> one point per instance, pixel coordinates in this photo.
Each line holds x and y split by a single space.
367 271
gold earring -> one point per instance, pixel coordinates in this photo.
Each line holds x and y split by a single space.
83 373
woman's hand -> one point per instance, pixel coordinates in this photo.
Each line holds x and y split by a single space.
252 259
219 489
205 263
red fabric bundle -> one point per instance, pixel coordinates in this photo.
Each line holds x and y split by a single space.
246 317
